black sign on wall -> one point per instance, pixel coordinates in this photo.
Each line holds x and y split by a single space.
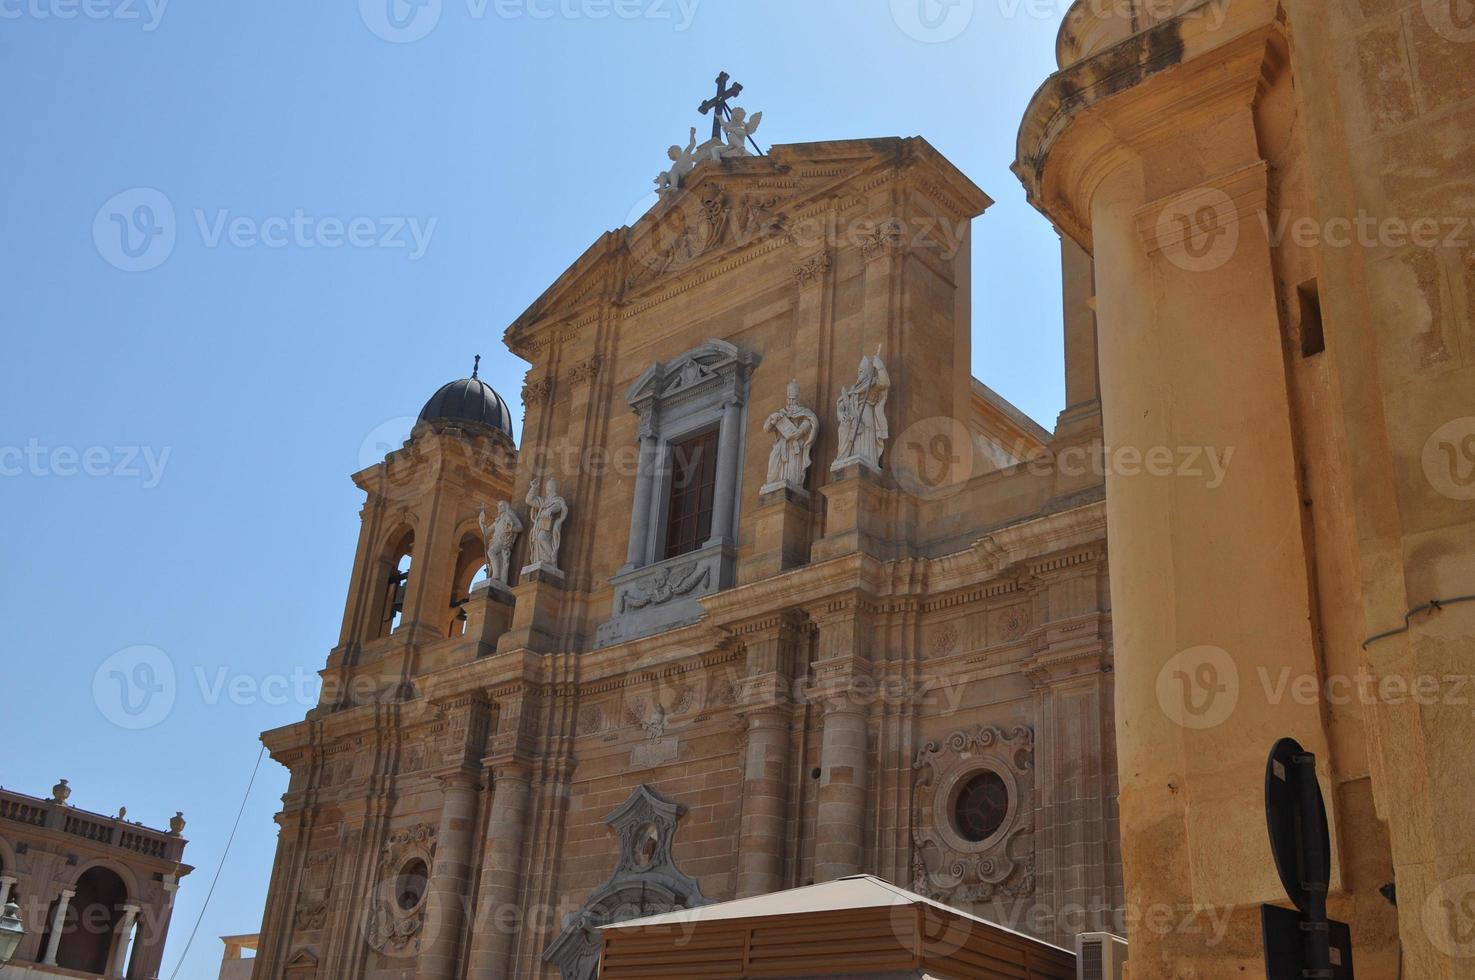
1302 942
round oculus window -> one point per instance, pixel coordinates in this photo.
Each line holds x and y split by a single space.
410 887
981 807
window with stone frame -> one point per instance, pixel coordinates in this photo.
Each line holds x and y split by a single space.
683 514
690 493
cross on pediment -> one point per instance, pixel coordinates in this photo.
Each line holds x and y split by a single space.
719 103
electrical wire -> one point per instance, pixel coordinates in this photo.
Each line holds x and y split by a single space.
1433 605
221 866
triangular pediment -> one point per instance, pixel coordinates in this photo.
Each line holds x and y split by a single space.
730 209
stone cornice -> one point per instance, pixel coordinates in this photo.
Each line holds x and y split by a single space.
1095 115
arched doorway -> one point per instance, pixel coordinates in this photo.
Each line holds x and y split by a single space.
92 921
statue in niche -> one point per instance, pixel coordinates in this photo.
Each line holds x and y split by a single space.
862 411
682 163
794 429
549 511
499 536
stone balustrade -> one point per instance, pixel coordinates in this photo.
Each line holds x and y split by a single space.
107 831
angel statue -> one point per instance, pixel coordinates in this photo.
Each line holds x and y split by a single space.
682 163
500 535
794 429
549 511
737 129
862 411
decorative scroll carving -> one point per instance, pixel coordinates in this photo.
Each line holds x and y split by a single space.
535 391
945 866
392 928
645 881
810 270
586 370
665 585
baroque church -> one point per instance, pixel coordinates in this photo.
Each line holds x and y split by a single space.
777 593
772 592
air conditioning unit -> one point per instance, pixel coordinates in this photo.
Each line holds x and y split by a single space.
1100 956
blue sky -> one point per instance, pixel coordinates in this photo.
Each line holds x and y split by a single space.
356 211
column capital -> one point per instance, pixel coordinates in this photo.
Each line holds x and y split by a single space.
457 778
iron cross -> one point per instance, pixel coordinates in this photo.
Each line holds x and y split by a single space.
719 103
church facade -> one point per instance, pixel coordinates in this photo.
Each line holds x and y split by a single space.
781 594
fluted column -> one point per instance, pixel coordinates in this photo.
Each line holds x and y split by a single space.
498 917
57 922
840 825
729 445
448 879
765 800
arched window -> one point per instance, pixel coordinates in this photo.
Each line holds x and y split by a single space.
91 924
471 568
396 585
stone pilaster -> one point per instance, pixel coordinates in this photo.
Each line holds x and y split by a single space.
449 878
498 916
840 827
765 803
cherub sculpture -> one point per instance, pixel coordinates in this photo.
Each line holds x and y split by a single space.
682 163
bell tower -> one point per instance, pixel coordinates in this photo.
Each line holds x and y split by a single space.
420 548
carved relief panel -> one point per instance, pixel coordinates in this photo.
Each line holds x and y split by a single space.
972 820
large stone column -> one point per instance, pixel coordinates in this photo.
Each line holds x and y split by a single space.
58 922
498 916
6 884
449 878
765 803
1209 571
840 824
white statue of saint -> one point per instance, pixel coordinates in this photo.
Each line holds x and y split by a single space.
499 536
794 429
549 511
682 163
738 127
862 411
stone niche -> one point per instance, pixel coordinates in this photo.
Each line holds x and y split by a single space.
704 390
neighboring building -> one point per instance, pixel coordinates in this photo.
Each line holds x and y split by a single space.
1278 197
725 678
233 964
96 893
